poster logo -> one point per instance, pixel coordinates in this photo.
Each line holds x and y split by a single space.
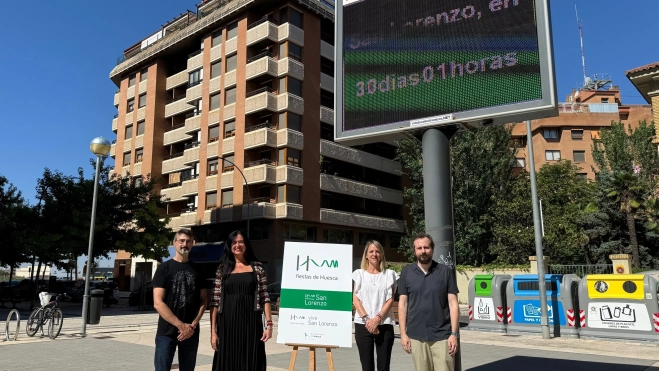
484 309
305 263
619 316
530 312
601 287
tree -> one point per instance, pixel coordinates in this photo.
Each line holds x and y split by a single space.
628 192
15 215
409 153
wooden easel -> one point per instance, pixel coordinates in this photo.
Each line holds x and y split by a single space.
312 355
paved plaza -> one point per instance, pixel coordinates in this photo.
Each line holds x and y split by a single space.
125 341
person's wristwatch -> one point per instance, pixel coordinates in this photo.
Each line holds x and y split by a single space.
455 334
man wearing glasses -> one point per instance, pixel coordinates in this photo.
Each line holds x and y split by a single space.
180 299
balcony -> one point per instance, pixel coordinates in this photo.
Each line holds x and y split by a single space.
326 50
177 106
188 219
259 210
290 102
290 138
173 163
173 192
142 87
190 187
193 93
137 169
262 31
213 117
115 122
231 46
177 79
195 60
289 211
208 214
292 33
228 145
265 172
191 153
216 53
259 100
130 93
139 141
211 183
354 188
128 144
261 136
227 180
262 64
141 114
230 79
290 175
229 111
291 67
212 149
176 135
326 115
360 221
174 223
116 99
192 122
355 156
113 149
326 82
215 85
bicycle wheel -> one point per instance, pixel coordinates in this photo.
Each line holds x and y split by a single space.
33 322
55 325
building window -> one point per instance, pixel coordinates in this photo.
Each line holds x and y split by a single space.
131 104
211 200
291 121
126 158
216 69
583 176
227 198
213 133
289 49
217 39
195 77
144 74
142 101
552 155
213 167
227 164
326 98
138 181
293 157
519 142
293 194
215 101
229 129
140 128
577 134
131 80
128 132
337 236
290 85
520 163
291 16
605 100
295 232
326 131
232 30
327 66
579 156
139 153
230 96
232 62
550 133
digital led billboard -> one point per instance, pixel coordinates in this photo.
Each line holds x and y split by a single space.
402 65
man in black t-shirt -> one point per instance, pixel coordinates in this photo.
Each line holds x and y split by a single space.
180 299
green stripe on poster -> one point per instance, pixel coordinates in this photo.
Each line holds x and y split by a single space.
316 299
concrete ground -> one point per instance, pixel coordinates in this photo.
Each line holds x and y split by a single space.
125 340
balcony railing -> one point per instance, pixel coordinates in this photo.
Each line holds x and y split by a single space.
261 126
172 185
259 91
259 56
194 54
263 161
192 145
194 83
262 20
192 114
175 127
172 100
175 155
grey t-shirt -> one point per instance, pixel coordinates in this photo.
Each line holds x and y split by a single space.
428 314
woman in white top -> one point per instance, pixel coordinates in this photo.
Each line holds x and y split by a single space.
373 298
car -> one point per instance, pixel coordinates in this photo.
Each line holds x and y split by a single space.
134 297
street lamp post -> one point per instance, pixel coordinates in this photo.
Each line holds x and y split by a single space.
100 147
249 202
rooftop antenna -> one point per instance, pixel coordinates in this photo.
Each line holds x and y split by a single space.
583 55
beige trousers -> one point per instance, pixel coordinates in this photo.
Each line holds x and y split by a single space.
431 356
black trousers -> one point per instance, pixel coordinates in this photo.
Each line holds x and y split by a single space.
384 342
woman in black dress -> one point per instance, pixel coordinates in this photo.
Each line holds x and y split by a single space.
240 297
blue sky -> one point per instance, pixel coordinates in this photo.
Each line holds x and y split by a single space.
51 112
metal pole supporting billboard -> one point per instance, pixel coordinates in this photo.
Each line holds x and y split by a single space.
438 201
537 226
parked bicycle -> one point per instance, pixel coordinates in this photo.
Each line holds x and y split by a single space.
47 315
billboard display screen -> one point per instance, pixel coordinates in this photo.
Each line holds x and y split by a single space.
406 64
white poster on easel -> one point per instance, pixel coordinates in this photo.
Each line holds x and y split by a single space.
316 295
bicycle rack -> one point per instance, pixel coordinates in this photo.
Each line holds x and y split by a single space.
8 324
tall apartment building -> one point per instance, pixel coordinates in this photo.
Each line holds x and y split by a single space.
242 92
646 80
570 135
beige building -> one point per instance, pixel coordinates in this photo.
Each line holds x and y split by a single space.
246 88
646 80
570 135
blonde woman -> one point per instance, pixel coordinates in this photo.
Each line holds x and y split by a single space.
373 297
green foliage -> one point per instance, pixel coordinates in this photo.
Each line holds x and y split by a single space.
409 154
15 218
